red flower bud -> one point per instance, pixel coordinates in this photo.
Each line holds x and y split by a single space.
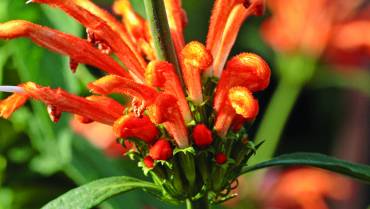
220 158
202 136
161 150
148 162
131 126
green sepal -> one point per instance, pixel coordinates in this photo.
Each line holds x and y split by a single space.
187 150
145 169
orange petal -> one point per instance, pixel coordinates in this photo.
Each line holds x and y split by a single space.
115 84
177 21
138 127
166 111
101 109
11 104
246 70
224 119
226 20
241 102
161 74
104 27
79 50
220 13
136 26
195 58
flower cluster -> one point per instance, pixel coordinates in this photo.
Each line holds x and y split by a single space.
186 130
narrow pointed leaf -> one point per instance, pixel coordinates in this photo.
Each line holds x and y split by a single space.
94 193
354 170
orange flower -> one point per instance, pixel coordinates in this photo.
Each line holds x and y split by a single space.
160 105
313 26
306 188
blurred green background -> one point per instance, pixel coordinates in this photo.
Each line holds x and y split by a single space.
40 160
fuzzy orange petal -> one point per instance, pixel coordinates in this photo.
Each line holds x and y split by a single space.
136 26
195 58
11 104
241 102
115 84
78 49
235 20
102 109
176 20
104 27
138 127
166 111
246 70
162 74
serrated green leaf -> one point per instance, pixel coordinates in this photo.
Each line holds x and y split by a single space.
94 193
355 170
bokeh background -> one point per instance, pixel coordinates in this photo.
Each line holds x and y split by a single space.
40 160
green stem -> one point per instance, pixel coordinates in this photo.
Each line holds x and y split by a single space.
274 119
201 203
165 50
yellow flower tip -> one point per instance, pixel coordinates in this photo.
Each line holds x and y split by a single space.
14 29
243 102
11 104
196 55
121 6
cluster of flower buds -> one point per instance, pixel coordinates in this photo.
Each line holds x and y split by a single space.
187 130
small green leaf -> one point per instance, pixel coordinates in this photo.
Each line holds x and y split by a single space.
94 193
354 170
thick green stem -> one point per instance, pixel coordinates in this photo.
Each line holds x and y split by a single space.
201 203
274 119
165 50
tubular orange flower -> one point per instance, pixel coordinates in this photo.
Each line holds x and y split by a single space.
159 113
131 126
166 111
195 57
247 70
136 26
106 28
78 49
162 75
226 20
241 102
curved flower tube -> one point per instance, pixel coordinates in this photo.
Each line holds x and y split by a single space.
195 58
247 70
61 43
162 75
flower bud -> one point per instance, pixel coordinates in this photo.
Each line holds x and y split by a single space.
148 162
131 126
202 136
220 158
161 150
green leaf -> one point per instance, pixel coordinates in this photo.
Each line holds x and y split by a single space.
354 170
94 193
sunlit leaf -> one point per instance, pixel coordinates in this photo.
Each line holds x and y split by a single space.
92 194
